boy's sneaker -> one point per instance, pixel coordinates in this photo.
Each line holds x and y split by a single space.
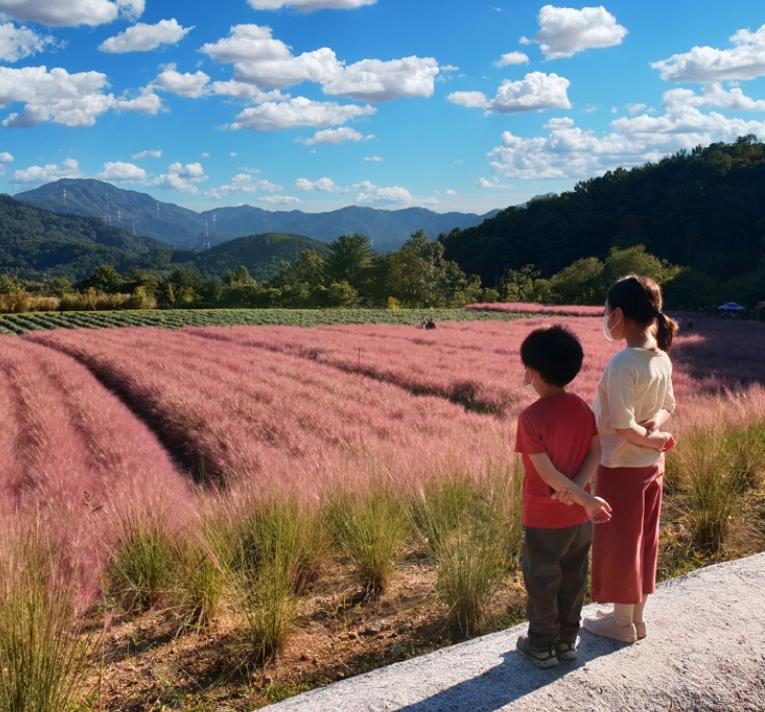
542 656
565 650
606 627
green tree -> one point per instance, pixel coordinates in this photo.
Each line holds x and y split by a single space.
349 259
518 285
104 279
10 285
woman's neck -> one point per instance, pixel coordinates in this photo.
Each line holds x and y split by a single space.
638 336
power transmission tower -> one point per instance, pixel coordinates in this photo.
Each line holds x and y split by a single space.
206 245
108 216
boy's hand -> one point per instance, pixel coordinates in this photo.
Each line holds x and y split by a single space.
564 495
598 510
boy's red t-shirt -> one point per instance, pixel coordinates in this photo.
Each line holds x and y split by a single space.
563 426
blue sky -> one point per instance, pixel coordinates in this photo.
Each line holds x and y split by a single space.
317 104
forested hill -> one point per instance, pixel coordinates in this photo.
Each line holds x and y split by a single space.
37 243
704 209
262 255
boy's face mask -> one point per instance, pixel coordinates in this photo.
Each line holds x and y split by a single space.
529 385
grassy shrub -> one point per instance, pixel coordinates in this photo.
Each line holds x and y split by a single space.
43 657
470 527
280 548
200 580
709 493
140 566
370 528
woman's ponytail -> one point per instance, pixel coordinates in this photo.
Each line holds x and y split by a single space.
667 328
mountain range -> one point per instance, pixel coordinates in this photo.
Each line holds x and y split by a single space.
141 214
39 244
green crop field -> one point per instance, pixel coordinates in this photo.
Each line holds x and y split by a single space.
178 318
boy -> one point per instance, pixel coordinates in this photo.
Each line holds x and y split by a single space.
558 440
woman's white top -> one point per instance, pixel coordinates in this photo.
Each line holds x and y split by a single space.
635 386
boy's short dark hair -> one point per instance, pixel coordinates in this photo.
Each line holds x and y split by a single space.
554 352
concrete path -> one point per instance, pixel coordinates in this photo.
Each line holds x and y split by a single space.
705 652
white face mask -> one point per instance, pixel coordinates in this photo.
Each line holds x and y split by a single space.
530 385
607 332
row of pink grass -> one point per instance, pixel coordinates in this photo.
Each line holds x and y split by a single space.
474 363
534 308
275 419
73 455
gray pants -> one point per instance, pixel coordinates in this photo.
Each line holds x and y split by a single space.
555 574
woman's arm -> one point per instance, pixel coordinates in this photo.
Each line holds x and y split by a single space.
640 436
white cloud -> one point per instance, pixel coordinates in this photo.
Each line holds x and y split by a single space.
122 172
19 42
233 154
684 126
491 184
243 183
470 99
309 5
279 199
537 91
564 122
374 159
242 90
146 154
247 42
71 13
142 37
262 62
67 99
565 31
324 185
635 108
320 66
247 169
713 95
39 175
190 85
5 157
707 64
335 136
297 112
450 192
181 178
511 58
375 80
370 193
147 102
568 152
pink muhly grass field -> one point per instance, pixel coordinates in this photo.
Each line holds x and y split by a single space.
271 419
476 364
534 308
73 456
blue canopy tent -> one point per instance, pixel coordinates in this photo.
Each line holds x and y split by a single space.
732 308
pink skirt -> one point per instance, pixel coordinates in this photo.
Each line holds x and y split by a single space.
625 549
